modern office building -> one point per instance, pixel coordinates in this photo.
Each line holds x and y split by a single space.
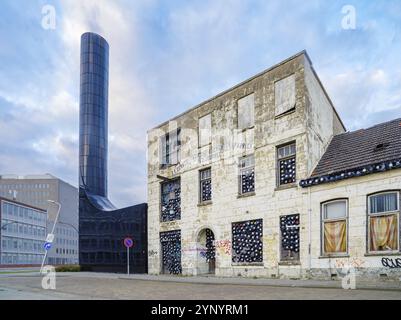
102 226
36 190
22 233
262 180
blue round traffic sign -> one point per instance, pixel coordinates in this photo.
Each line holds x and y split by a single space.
47 246
128 242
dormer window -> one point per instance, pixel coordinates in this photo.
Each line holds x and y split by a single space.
381 146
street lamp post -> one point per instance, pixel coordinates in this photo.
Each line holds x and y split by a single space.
54 226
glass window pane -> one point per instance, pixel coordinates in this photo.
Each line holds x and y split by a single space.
384 203
334 210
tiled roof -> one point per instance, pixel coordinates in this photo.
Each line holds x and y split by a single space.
356 149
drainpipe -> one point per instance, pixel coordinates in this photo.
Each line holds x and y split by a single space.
309 231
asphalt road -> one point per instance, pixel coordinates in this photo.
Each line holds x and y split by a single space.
102 286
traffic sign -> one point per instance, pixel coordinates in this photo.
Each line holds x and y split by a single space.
128 242
47 246
50 237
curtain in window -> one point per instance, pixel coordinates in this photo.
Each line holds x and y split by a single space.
383 233
335 237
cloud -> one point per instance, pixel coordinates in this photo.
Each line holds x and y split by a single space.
166 57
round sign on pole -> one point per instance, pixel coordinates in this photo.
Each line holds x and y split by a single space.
128 242
47 246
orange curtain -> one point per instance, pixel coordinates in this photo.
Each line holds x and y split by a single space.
383 233
335 236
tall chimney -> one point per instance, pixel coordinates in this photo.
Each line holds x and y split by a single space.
93 114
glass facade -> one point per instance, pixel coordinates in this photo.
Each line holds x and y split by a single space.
22 234
101 235
93 114
102 227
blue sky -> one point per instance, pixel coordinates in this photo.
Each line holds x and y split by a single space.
167 56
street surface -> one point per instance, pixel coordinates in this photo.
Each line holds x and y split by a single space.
83 286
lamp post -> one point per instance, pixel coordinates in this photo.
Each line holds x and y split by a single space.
3 227
54 226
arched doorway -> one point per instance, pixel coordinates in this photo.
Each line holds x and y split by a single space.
206 253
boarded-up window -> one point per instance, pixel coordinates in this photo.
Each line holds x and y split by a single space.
284 95
286 164
205 130
170 147
247 174
247 242
246 112
289 227
171 200
205 185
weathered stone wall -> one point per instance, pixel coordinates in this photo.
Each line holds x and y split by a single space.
356 191
311 125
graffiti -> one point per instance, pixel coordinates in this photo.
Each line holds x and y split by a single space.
152 253
203 254
346 271
354 263
391 263
223 245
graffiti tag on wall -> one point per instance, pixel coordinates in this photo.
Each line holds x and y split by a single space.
152 253
391 263
223 245
354 262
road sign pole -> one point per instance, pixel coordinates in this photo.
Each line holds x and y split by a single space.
128 243
128 260
43 261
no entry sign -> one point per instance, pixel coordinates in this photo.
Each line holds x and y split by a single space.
128 242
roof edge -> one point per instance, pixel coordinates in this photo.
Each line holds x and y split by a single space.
351 173
303 52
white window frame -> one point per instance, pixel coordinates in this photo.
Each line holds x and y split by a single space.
382 214
324 220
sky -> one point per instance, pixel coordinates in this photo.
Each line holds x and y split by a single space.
167 56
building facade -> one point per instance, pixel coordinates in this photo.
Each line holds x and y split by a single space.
230 189
102 226
37 190
22 233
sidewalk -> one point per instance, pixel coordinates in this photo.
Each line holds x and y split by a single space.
360 283
305 283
